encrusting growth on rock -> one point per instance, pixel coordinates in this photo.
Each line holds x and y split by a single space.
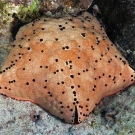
66 65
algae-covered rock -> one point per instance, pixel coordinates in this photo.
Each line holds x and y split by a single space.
23 12
30 12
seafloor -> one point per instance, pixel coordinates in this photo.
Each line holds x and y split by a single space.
114 115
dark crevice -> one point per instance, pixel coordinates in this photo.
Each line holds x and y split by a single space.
76 116
15 25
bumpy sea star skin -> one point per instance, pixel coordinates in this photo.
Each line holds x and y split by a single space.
65 65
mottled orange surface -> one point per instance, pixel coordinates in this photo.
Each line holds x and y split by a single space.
65 65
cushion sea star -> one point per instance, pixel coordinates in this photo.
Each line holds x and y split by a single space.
66 65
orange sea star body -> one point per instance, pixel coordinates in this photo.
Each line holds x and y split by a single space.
65 65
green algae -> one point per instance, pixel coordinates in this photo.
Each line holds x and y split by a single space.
24 13
28 13
94 124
